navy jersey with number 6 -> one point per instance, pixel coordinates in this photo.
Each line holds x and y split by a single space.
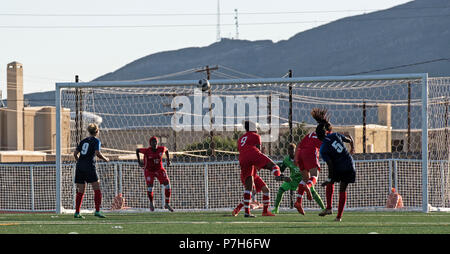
334 150
87 148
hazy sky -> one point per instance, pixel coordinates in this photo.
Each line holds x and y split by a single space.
58 39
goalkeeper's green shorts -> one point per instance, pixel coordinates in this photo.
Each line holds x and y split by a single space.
292 185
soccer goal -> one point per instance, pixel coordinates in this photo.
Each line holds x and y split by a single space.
399 124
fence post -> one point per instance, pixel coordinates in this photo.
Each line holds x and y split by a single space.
390 175
116 179
32 188
442 183
120 178
74 187
206 188
395 175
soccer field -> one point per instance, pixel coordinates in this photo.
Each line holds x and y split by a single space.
224 223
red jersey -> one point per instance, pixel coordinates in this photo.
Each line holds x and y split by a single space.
153 159
248 142
310 141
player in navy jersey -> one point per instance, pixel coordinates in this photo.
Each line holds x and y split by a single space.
86 171
341 167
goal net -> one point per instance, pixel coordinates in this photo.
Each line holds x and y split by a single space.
399 124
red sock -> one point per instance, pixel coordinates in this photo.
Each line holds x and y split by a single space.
167 193
97 199
266 202
247 197
239 207
311 181
329 194
300 191
276 170
342 200
150 193
78 201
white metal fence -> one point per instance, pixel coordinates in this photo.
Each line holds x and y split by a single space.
214 186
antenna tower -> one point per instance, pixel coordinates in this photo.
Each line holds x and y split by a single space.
218 20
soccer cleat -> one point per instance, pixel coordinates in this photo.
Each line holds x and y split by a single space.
99 214
326 212
249 215
338 219
235 212
168 207
256 205
152 206
308 193
268 213
299 208
275 210
78 216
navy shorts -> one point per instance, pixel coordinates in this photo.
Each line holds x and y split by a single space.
86 176
347 176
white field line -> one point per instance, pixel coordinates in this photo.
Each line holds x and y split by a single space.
16 223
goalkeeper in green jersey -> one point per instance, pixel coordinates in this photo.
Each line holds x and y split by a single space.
296 177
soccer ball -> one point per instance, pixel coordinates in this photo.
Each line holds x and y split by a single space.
204 85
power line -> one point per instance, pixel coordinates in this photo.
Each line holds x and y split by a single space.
209 25
401 66
206 14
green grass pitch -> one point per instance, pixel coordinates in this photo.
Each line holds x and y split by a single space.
223 223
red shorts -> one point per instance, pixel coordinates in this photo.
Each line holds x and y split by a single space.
160 174
258 182
250 162
308 159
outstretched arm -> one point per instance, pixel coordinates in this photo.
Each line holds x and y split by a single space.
75 154
349 139
139 158
101 156
352 145
282 167
168 158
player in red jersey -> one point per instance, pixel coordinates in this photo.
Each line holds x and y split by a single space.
153 168
251 159
307 159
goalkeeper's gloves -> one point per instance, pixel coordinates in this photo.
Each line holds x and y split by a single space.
328 181
282 178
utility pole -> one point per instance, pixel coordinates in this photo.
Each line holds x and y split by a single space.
291 137
208 70
364 107
78 112
364 126
409 117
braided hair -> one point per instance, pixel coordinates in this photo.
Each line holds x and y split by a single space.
323 122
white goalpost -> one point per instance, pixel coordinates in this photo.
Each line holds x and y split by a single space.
399 123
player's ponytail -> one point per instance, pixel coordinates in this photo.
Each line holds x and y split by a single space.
324 126
93 129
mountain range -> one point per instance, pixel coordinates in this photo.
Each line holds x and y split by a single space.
409 38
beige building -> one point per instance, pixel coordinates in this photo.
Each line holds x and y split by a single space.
27 133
